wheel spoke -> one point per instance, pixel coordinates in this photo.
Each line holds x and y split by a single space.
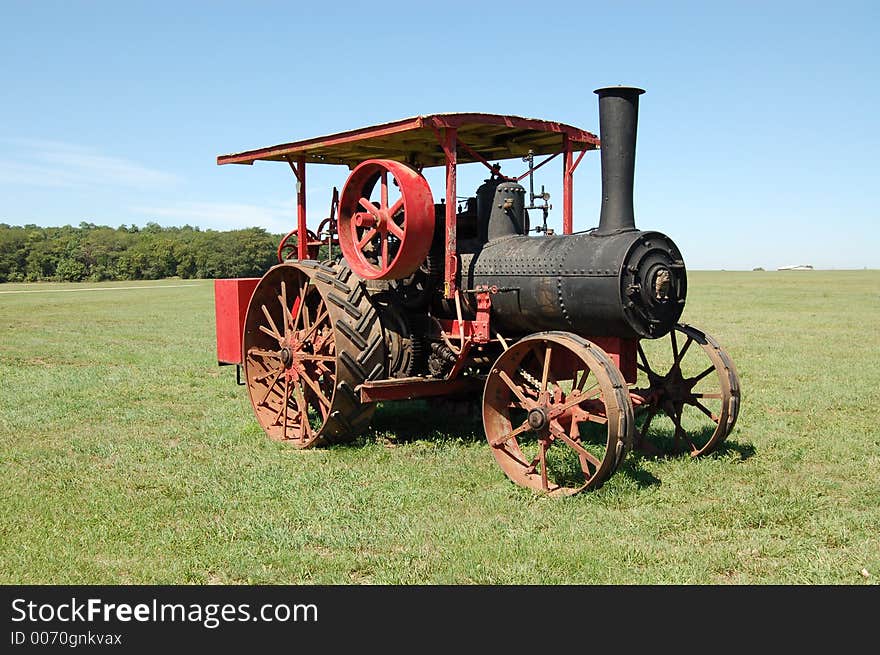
546 372
316 390
574 399
500 441
694 380
384 238
645 366
696 403
515 389
283 408
579 449
306 318
573 432
647 424
580 385
681 433
716 396
315 358
595 418
687 344
542 453
299 306
264 353
275 331
284 309
271 386
503 449
305 428
323 315
672 338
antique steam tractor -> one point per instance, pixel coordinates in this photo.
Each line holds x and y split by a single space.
394 297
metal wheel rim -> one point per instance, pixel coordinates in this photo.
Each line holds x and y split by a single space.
285 386
563 393
665 394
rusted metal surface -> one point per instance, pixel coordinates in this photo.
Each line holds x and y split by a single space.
412 140
304 353
556 414
450 151
417 387
387 238
699 391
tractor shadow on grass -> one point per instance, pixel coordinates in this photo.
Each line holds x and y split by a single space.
434 420
401 422
632 465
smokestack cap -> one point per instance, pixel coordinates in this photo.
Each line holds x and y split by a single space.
622 90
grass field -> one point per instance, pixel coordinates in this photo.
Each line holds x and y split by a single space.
128 456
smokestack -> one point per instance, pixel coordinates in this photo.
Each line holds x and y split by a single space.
618 120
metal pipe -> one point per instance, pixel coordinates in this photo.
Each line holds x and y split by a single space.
618 121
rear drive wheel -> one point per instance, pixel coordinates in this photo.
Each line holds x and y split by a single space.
311 337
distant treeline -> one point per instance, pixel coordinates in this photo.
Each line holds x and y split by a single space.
97 252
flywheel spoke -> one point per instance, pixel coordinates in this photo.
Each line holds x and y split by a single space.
383 201
370 207
395 229
367 237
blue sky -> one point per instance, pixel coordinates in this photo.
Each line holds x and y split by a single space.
758 136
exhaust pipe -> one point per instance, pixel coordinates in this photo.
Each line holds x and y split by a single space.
618 120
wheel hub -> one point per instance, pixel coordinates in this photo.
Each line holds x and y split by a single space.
538 418
286 357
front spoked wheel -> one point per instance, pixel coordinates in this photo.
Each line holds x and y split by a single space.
688 394
557 414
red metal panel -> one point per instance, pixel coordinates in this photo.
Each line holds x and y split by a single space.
622 352
231 298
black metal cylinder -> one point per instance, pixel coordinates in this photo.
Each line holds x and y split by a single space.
618 121
507 215
629 285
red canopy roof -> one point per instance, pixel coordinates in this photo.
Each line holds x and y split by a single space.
416 141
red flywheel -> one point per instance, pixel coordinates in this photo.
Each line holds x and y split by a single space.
386 237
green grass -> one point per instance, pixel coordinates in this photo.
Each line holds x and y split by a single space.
128 456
